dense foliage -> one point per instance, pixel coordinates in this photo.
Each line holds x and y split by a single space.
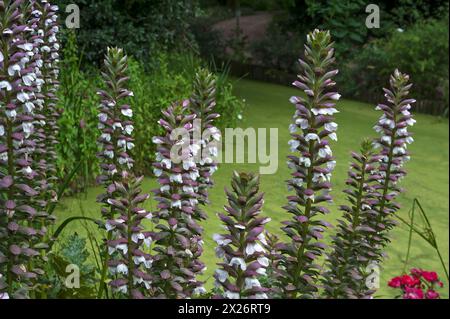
139 26
346 19
418 51
78 123
278 50
412 35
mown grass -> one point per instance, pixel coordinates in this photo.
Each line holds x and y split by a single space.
268 107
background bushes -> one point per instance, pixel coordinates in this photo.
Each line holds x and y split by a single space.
413 35
78 102
138 26
279 50
418 51
210 42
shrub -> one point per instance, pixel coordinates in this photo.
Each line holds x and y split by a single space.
153 91
140 27
346 19
156 89
210 42
420 51
228 105
279 49
77 147
172 80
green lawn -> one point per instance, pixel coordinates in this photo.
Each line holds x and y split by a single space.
268 107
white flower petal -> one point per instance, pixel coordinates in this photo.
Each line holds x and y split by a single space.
222 275
239 262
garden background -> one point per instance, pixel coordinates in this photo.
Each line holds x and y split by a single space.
245 42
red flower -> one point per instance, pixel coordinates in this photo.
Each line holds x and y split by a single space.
413 293
416 272
408 281
413 284
430 276
395 282
431 294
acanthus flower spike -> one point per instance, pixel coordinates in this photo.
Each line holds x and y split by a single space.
393 154
115 140
241 249
21 212
124 255
178 240
129 262
202 104
350 249
47 30
312 165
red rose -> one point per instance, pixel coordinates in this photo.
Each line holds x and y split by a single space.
431 294
413 293
430 276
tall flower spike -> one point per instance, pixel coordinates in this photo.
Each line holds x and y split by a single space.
202 105
178 240
34 16
129 263
47 30
20 216
116 140
393 128
115 124
241 249
350 249
312 168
